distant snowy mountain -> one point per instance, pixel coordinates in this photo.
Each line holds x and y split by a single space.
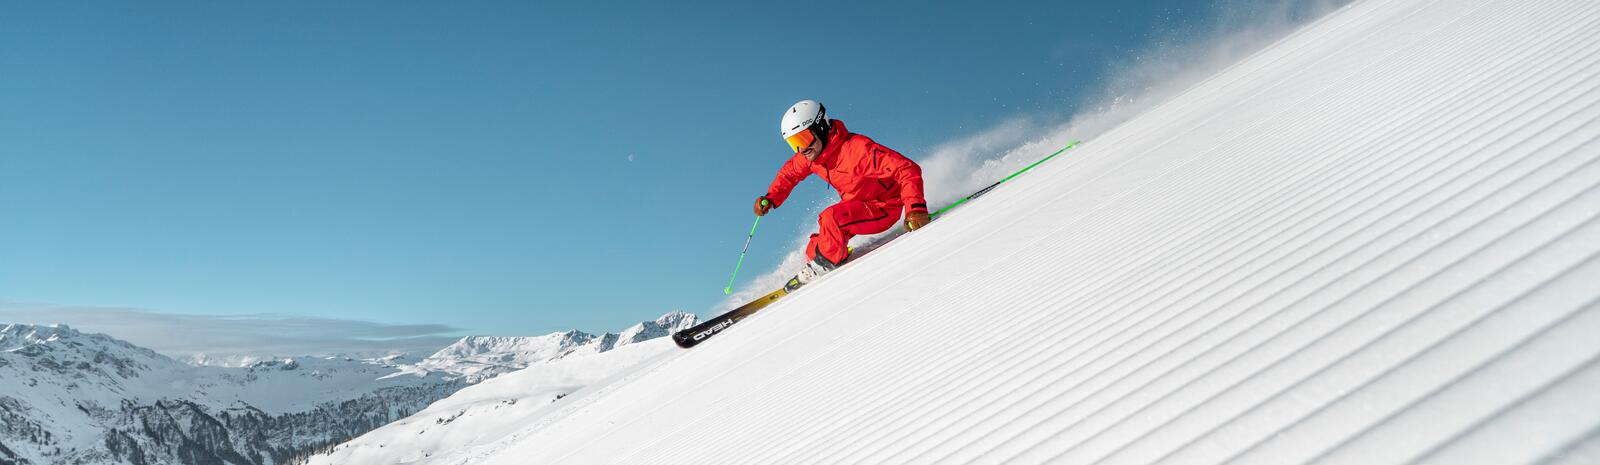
482 357
71 397
68 397
14 337
226 361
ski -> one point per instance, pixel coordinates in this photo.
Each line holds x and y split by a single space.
693 335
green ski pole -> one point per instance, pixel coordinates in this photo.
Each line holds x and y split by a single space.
997 183
729 289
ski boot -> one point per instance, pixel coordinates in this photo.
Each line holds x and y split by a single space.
811 271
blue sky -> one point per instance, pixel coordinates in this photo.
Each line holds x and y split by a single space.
505 168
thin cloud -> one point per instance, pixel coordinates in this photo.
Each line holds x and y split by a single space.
233 336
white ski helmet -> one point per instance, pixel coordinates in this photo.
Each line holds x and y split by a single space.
806 116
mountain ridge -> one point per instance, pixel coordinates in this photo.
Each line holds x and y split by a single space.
68 396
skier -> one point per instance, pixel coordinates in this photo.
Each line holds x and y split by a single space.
874 184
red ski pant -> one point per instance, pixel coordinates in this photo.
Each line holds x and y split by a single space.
845 220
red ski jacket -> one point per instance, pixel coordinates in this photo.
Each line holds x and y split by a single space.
859 169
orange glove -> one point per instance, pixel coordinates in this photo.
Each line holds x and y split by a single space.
916 219
763 205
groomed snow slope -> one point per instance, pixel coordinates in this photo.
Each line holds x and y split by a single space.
1373 242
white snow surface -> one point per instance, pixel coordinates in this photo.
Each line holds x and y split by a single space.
1374 242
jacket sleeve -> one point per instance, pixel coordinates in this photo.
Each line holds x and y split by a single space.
906 173
789 176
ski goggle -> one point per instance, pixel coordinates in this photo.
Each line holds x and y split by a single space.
801 140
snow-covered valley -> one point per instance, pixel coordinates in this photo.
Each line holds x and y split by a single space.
68 397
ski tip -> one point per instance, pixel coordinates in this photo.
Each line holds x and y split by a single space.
727 290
